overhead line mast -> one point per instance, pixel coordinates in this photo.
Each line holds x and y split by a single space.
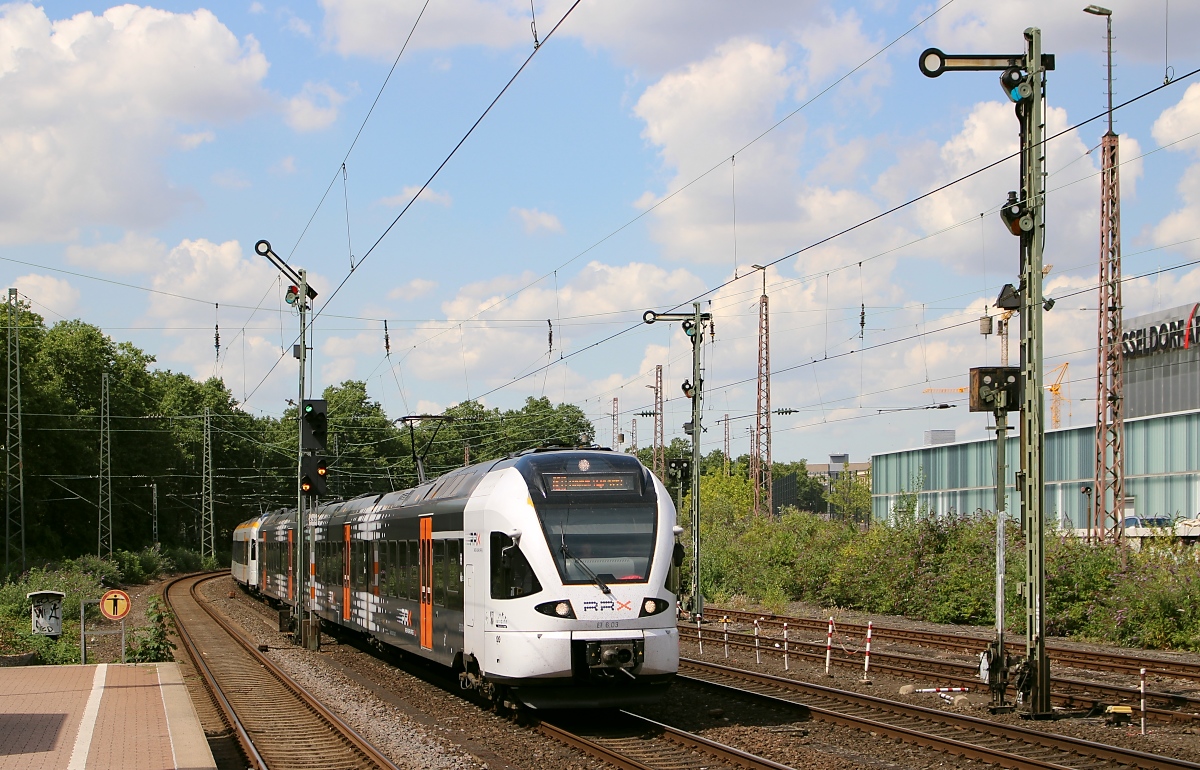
1108 511
760 443
14 490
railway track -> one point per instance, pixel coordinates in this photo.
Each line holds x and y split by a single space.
992 743
632 742
277 723
1070 693
1064 656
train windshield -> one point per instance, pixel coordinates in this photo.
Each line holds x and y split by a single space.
600 543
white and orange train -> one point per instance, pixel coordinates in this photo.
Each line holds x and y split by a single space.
546 579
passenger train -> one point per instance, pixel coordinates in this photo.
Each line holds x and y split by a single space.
546 579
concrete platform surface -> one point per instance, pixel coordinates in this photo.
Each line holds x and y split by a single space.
103 717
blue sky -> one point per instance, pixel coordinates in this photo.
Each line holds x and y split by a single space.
153 146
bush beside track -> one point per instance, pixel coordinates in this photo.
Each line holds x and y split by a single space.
88 576
941 570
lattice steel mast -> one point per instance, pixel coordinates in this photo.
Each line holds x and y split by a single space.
727 447
206 495
1109 500
660 463
14 496
104 539
760 441
616 432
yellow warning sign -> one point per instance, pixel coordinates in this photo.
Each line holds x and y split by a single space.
115 604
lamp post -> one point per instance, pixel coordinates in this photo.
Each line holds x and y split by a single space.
1096 10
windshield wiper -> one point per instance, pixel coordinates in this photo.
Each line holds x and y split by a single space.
595 578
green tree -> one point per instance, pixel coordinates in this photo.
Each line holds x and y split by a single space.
849 496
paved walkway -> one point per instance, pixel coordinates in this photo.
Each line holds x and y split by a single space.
103 717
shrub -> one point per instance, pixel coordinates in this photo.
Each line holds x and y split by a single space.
184 560
152 644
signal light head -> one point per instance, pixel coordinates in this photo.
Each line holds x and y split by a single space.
689 328
1016 216
1016 85
293 294
688 389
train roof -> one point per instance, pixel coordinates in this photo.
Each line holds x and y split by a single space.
461 482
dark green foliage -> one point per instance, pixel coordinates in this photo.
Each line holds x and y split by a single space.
184 560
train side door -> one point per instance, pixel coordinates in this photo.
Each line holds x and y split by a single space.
426 562
346 572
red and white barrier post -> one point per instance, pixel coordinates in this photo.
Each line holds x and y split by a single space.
867 654
725 627
944 689
1143 701
829 647
699 635
757 654
785 647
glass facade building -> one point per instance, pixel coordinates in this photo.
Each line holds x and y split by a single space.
1162 442
1162 472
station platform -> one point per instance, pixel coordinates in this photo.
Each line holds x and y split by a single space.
100 717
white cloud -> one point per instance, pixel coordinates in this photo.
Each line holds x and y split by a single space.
417 287
1180 121
192 141
286 165
651 37
56 294
256 8
406 194
1175 123
837 46
299 26
534 220
997 27
93 103
230 179
314 108
134 253
200 268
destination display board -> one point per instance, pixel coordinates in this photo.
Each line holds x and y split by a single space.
590 482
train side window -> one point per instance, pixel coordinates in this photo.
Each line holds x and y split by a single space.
356 554
439 572
414 564
511 574
253 550
398 573
402 569
454 580
385 566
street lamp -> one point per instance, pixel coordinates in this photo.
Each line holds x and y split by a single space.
1096 10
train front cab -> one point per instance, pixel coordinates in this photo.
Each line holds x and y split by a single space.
546 537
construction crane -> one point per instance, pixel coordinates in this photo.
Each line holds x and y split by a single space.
1057 399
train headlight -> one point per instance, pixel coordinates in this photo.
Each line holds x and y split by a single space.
653 607
559 609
